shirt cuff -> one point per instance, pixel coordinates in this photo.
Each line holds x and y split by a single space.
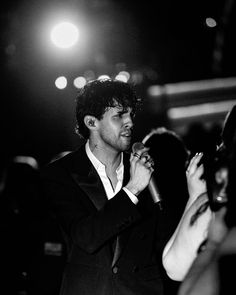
132 197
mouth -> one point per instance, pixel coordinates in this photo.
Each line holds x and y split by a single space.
126 134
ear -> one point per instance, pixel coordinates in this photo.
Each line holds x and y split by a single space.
90 122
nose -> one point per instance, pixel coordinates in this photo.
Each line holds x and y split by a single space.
129 122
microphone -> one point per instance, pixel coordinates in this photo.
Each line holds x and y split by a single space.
153 189
137 146
152 186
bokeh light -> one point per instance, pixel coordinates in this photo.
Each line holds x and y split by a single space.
79 82
210 22
61 82
123 76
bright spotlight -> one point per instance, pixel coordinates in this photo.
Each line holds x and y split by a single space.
64 35
61 82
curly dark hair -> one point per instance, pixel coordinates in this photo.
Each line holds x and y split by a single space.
97 95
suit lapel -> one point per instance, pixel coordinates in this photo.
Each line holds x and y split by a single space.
122 238
85 175
88 179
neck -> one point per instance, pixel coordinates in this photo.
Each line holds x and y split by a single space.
106 155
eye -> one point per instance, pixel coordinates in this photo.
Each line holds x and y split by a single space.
120 114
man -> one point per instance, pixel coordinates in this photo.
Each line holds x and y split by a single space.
98 194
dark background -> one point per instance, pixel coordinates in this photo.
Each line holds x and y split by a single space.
166 41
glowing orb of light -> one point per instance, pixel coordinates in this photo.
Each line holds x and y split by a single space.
64 35
210 22
61 82
79 82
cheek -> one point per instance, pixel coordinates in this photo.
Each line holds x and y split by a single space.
112 126
107 131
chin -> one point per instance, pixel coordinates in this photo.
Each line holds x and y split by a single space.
125 143
126 146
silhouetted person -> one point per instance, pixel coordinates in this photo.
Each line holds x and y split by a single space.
170 156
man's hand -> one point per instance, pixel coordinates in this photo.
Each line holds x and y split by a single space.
141 169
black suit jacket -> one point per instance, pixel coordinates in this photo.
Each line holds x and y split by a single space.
91 224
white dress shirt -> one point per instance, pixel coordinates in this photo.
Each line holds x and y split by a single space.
101 170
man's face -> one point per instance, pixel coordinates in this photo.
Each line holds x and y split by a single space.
115 128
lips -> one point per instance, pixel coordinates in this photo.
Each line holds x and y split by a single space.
126 134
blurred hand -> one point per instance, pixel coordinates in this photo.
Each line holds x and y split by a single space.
194 173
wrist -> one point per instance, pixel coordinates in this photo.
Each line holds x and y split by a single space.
132 189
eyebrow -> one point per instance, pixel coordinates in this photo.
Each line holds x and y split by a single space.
122 111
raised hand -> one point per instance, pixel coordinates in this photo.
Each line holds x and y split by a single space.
141 169
195 181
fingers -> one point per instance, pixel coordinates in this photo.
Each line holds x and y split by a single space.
144 158
140 153
147 161
194 164
137 155
195 171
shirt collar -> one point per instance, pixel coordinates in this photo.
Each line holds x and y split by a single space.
99 166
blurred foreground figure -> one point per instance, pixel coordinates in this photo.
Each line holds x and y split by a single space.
19 194
27 233
99 196
212 270
170 156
